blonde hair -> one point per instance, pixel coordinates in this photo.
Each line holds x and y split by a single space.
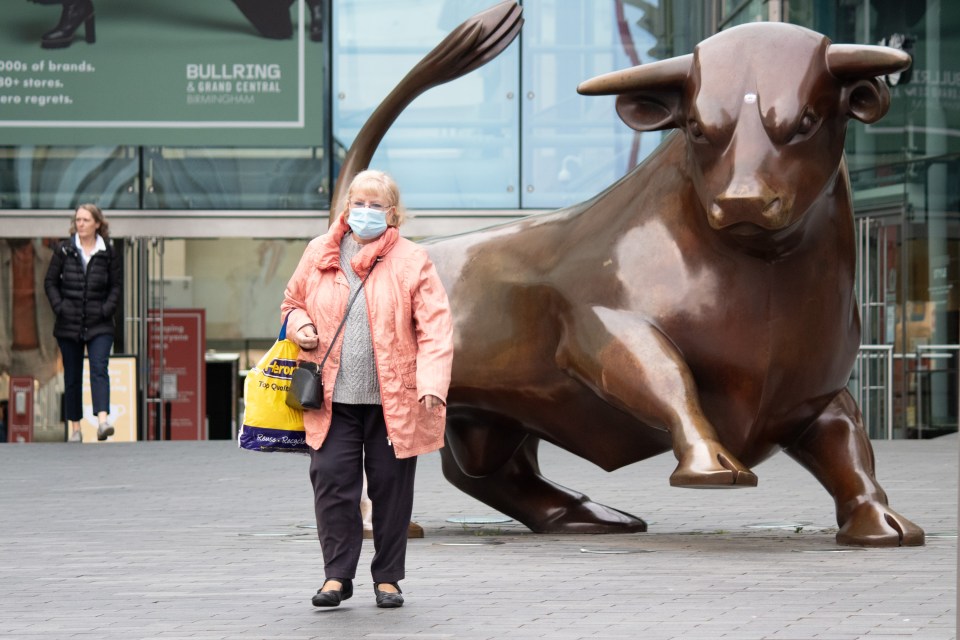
385 187
98 216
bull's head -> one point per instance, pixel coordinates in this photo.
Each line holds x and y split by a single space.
764 108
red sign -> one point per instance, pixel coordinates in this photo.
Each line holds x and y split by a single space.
20 410
178 380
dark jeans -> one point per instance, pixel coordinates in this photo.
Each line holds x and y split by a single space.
98 351
357 440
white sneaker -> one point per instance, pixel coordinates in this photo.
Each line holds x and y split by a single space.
76 436
103 431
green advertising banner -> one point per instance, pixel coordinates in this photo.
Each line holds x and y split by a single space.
161 72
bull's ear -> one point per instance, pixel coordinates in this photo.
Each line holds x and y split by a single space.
646 113
866 100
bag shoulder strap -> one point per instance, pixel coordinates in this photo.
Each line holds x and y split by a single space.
346 313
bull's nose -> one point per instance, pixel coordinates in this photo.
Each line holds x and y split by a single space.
767 212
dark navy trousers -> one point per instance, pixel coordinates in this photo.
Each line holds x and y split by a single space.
357 442
98 351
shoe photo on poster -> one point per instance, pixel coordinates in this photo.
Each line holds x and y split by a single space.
269 18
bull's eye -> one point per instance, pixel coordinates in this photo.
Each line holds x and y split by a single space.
695 131
808 123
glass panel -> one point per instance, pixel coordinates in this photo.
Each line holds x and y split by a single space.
819 15
924 120
454 146
575 146
740 12
924 116
677 25
933 306
39 177
879 187
192 178
923 323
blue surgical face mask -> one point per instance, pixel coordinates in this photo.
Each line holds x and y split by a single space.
367 223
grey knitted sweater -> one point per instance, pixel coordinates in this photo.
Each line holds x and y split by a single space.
357 381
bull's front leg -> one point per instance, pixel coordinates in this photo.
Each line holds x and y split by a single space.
836 449
632 365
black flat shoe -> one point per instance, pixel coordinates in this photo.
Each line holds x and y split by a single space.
387 599
333 598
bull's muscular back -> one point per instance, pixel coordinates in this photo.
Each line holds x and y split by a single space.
769 341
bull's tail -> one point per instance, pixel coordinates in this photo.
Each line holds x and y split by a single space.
475 42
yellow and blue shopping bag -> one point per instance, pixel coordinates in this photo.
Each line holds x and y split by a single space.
268 423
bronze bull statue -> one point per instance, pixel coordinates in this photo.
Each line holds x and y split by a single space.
703 304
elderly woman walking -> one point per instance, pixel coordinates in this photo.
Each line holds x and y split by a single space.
390 369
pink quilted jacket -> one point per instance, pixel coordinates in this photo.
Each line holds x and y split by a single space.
411 325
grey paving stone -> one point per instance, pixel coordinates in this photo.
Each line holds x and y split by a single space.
199 541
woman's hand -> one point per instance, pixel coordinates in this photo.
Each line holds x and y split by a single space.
431 402
306 337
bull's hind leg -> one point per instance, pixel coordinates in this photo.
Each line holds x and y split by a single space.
491 458
836 449
633 366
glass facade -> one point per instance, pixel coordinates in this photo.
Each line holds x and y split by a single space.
234 178
45 177
221 227
905 178
469 126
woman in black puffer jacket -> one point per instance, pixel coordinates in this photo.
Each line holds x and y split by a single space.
84 284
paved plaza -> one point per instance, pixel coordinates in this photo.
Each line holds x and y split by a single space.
201 541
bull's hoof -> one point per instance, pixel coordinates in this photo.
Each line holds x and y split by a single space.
876 525
708 465
588 517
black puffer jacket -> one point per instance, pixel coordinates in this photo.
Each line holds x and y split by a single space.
84 303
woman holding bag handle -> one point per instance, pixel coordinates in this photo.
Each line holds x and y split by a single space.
390 369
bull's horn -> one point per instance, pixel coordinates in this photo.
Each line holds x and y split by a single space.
671 72
865 61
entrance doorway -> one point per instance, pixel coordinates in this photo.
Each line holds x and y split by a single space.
143 315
